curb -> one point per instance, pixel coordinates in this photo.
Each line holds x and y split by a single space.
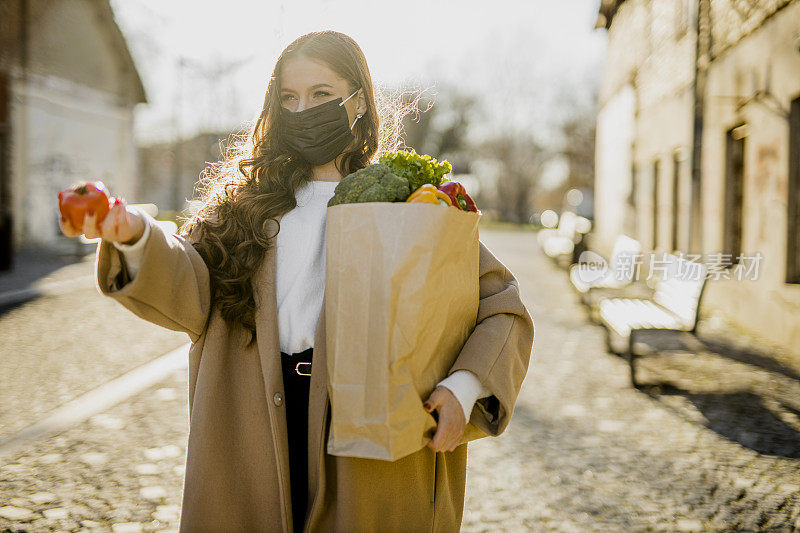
99 399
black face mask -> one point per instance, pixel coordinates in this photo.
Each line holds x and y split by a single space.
318 133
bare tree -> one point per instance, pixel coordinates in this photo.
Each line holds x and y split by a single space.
441 130
520 160
578 133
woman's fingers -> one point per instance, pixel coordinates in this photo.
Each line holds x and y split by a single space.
66 227
110 224
447 434
121 216
129 224
122 220
108 227
89 228
454 432
451 420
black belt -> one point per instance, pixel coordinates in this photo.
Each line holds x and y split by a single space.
303 365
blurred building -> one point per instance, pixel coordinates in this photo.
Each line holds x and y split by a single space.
68 87
698 145
161 163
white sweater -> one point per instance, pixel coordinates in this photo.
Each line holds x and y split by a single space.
300 281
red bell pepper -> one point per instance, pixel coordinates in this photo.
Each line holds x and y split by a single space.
458 195
74 201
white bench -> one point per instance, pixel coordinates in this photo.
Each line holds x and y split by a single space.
617 273
674 306
560 242
565 228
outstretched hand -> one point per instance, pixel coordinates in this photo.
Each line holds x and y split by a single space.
451 423
121 224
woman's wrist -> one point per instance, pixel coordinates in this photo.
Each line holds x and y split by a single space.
139 233
466 387
136 244
132 241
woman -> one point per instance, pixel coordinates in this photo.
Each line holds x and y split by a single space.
244 278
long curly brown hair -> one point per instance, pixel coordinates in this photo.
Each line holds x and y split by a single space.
256 180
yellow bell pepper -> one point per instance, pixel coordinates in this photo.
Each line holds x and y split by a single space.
428 193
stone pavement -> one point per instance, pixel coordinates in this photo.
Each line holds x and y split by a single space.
56 347
709 444
119 471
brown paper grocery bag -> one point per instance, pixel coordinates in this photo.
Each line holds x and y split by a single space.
401 298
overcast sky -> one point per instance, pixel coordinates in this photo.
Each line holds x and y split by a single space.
520 57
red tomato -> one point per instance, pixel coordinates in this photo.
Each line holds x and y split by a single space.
76 200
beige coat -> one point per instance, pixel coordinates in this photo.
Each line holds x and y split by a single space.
237 463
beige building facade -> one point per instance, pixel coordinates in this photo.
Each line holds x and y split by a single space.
698 148
69 88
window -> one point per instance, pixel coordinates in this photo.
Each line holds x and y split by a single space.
734 191
6 237
631 211
676 179
656 170
793 203
5 119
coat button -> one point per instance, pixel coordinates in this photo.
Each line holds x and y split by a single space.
278 398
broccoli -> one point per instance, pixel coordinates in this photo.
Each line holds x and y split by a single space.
417 169
373 183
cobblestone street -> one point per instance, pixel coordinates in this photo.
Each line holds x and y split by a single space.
68 344
119 471
586 452
710 443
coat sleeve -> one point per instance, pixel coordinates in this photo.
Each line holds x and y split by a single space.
172 287
498 350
